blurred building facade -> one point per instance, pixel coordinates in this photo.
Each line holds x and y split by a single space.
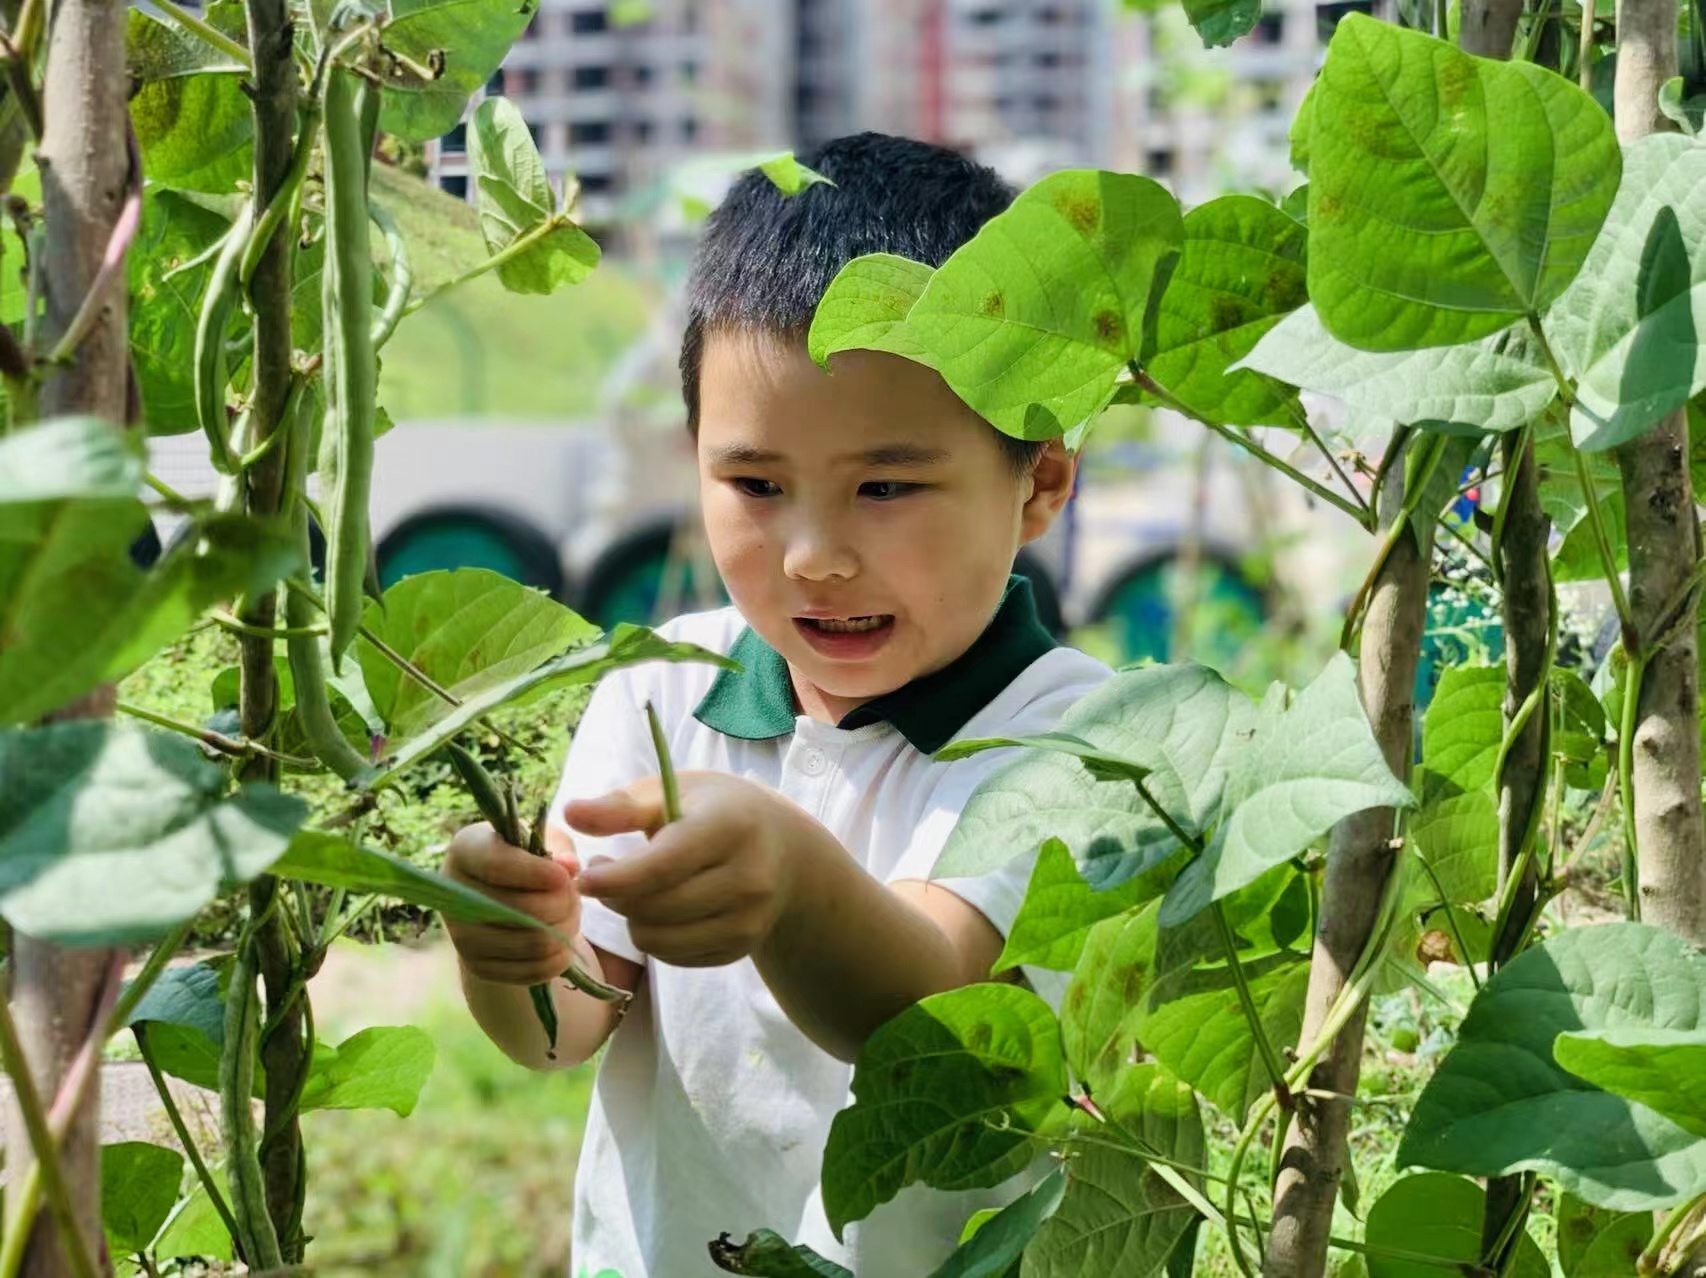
621 94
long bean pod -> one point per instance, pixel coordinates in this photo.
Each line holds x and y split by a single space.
236 1096
400 284
211 363
346 441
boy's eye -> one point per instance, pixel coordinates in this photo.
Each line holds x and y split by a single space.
886 489
750 487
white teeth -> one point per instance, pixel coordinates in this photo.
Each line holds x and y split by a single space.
852 625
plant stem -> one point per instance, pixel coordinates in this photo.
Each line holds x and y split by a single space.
237 626
1451 920
233 746
1356 510
666 768
176 1118
1264 1045
1632 682
1648 1263
218 39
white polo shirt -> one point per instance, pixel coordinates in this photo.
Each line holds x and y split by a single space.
711 1111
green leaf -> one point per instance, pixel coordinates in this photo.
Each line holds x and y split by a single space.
112 834
1102 1005
1183 723
1629 330
1060 909
997 1243
1663 1069
788 175
470 36
1033 319
1240 272
769 1255
383 1067
1578 557
923 1088
74 610
1220 22
183 1018
193 123
1296 774
1449 196
515 199
196 1228
1580 735
165 302
326 859
1456 828
626 646
1594 1243
1500 1103
139 1185
1118 1216
865 308
1498 383
1441 1216
467 630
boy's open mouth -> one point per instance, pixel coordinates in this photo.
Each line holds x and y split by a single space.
846 625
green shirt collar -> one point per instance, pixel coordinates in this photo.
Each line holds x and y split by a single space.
756 702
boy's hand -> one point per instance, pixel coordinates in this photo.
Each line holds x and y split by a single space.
541 886
711 886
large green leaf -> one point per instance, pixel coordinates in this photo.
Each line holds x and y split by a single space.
165 300
139 1185
1295 775
1032 320
1456 828
1497 383
1060 908
1241 270
467 630
183 1018
865 308
1500 1102
999 1242
1099 1013
1595 1243
1449 196
192 119
111 833
74 610
1437 1215
470 37
1181 723
515 199
766 1254
196 1228
1663 1069
382 1067
1118 1216
626 646
1630 329
945 1093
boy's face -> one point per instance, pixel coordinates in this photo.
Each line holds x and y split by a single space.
864 521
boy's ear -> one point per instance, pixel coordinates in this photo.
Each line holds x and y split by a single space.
1051 480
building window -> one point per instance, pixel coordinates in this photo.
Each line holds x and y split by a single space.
455 140
587 22
1269 30
597 183
1327 16
592 77
1046 102
689 129
642 74
495 85
524 80
534 129
1159 163
986 17
589 133
641 130
454 184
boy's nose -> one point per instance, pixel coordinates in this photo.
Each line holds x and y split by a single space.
818 553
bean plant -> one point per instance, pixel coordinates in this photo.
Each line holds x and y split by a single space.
1478 260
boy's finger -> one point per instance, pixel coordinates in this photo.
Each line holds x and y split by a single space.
493 862
638 807
667 863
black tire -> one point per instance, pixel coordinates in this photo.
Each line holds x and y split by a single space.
145 550
1108 597
523 552
620 585
1043 590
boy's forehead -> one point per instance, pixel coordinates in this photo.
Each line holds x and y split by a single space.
756 382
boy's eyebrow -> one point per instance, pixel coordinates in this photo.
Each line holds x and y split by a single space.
900 454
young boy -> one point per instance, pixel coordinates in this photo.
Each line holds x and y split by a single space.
865 524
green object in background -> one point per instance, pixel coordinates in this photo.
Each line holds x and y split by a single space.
1138 609
1461 629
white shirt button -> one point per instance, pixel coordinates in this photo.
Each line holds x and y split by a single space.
814 763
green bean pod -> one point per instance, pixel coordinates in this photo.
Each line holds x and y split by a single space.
211 364
236 1093
346 299
307 672
401 282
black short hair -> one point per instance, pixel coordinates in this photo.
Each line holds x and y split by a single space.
765 259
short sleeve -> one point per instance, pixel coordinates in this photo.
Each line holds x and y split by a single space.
609 750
